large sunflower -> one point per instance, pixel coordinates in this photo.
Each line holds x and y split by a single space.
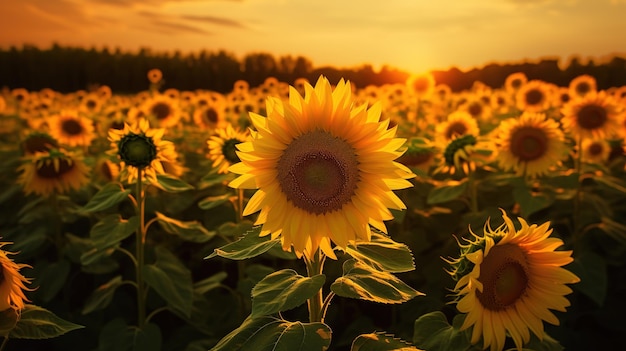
12 282
53 171
324 168
508 280
140 147
530 144
71 129
596 115
222 147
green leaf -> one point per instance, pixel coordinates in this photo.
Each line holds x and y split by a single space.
250 245
444 193
273 334
613 229
192 231
112 229
380 342
433 333
360 281
591 269
51 279
530 201
39 323
115 336
171 280
383 254
147 339
209 283
107 197
213 201
172 184
28 245
611 182
95 256
214 178
230 229
102 296
8 320
546 344
282 291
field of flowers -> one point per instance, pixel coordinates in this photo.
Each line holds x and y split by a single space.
314 216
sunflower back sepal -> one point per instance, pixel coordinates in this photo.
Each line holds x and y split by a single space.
360 281
432 332
283 290
383 253
271 333
380 341
107 197
171 184
248 246
38 323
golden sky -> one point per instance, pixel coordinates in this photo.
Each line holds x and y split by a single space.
414 35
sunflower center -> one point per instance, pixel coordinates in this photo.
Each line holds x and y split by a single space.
582 88
595 149
533 97
91 104
591 116
475 109
457 144
456 128
211 115
71 127
529 143
161 110
48 170
228 150
504 275
516 83
137 150
318 172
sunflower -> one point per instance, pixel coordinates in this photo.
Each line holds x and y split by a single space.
530 144
508 280
140 148
12 282
582 85
324 168
534 96
36 141
514 82
106 170
155 75
92 103
457 124
462 154
71 129
419 155
210 116
596 115
54 171
222 147
161 110
595 151
422 85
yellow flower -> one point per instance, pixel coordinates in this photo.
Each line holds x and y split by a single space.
514 82
140 148
12 282
463 154
508 280
36 141
534 96
324 169
155 75
53 171
596 116
211 116
530 144
595 151
458 123
71 129
161 110
422 85
582 85
222 147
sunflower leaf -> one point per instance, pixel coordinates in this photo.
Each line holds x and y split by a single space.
282 291
380 342
591 269
444 193
39 323
112 229
360 281
171 280
530 201
213 201
172 184
118 336
432 332
209 283
190 231
214 178
384 254
102 296
107 197
268 334
250 245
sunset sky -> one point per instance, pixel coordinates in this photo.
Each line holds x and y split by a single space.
414 35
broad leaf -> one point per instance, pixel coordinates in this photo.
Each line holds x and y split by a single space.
51 279
112 229
213 201
250 245
360 281
448 192
282 291
214 178
380 342
384 254
273 334
118 336
209 283
433 333
192 231
171 280
107 197
147 339
102 296
531 201
592 271
172 184
231 229
39 323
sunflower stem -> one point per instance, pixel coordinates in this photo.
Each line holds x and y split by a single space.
240 204
140 243
577 197
4 342
314 266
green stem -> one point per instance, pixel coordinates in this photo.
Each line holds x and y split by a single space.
140 243
314 266
4 342
240 204
577 197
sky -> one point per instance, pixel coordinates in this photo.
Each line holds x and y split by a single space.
412 35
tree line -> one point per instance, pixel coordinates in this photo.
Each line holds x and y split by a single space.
68 69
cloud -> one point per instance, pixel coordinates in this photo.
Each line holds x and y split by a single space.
222 21
172 28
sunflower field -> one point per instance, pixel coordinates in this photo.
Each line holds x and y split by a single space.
314 216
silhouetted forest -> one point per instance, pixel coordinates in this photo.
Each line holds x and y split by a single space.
68 69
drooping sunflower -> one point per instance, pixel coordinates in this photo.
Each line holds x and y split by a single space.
140 148
71 129
324 169
463 154
582 85
534 96
54 171
458 123
222 147
508 280
596 116
12 282
530 144
37 141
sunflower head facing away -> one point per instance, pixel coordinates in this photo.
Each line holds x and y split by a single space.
324 169
140 148
508 280
53 171
12 283
222 147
